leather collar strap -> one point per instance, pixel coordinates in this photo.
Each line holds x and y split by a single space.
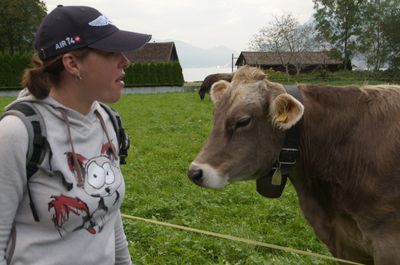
290 149
272 185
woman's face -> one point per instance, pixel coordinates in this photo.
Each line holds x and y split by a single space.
102 74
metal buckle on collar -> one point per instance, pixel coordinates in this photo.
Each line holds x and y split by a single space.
288 156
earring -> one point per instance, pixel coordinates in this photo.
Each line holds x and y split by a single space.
78 77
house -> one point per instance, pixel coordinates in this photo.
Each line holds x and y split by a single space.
304 61
155 52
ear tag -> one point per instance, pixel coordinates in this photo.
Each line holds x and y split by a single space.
276 178
282 117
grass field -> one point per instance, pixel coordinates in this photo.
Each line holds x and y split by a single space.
167 131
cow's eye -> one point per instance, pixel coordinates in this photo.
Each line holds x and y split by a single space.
243 122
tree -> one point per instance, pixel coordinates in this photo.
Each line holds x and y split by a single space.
390 28
287 38
339 22
372 40
19 22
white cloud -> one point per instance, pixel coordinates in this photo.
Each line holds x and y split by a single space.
205 23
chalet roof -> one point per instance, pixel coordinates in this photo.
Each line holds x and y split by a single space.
273 58
155 52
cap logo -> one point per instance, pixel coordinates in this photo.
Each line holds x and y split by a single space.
67 42
100 21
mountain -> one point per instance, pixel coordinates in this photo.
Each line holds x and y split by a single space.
192 57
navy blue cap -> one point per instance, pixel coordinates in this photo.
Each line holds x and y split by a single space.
68 28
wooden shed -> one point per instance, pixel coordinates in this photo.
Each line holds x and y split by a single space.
309 61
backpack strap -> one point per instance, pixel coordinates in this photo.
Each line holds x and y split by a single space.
122 137
36 129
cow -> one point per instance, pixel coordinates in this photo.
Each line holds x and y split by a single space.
345 168
210 80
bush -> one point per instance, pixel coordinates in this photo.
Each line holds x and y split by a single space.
139 74
11 69
154 74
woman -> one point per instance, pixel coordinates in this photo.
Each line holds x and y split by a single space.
78 189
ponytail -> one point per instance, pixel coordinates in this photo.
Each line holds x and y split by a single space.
42 75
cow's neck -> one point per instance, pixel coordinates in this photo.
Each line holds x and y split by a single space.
329 116
328 121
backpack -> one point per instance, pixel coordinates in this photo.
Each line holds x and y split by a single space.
38 144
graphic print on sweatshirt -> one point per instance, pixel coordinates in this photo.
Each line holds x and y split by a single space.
102 178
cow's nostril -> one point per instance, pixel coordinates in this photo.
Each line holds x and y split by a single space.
195 174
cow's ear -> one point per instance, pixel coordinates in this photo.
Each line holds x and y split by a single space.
286 111
218 89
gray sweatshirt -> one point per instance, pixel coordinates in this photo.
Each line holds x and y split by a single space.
79 225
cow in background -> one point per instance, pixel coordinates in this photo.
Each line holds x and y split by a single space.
210 80
347 170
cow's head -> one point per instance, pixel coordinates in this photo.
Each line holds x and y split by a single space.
202 92
251 115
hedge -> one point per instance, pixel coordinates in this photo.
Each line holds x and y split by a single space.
137 75
154 74
12 68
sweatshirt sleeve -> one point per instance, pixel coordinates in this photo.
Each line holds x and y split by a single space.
122 256
13 148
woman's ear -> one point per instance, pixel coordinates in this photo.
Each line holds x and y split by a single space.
286 111
71 65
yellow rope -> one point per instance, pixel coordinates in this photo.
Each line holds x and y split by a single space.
248 241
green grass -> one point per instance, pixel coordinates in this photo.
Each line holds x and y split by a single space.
167 131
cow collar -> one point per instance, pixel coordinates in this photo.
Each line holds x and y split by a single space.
272 185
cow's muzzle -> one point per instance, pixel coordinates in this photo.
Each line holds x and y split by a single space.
206 176
195 174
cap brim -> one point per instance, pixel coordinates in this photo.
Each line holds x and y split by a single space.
121 41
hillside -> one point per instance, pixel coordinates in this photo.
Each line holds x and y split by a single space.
191 56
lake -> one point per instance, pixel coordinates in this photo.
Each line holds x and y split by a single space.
198 74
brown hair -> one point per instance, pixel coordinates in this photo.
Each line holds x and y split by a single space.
43 74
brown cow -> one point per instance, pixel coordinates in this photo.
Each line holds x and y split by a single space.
210 80
347 175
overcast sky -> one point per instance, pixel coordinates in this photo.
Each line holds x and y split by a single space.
202 23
